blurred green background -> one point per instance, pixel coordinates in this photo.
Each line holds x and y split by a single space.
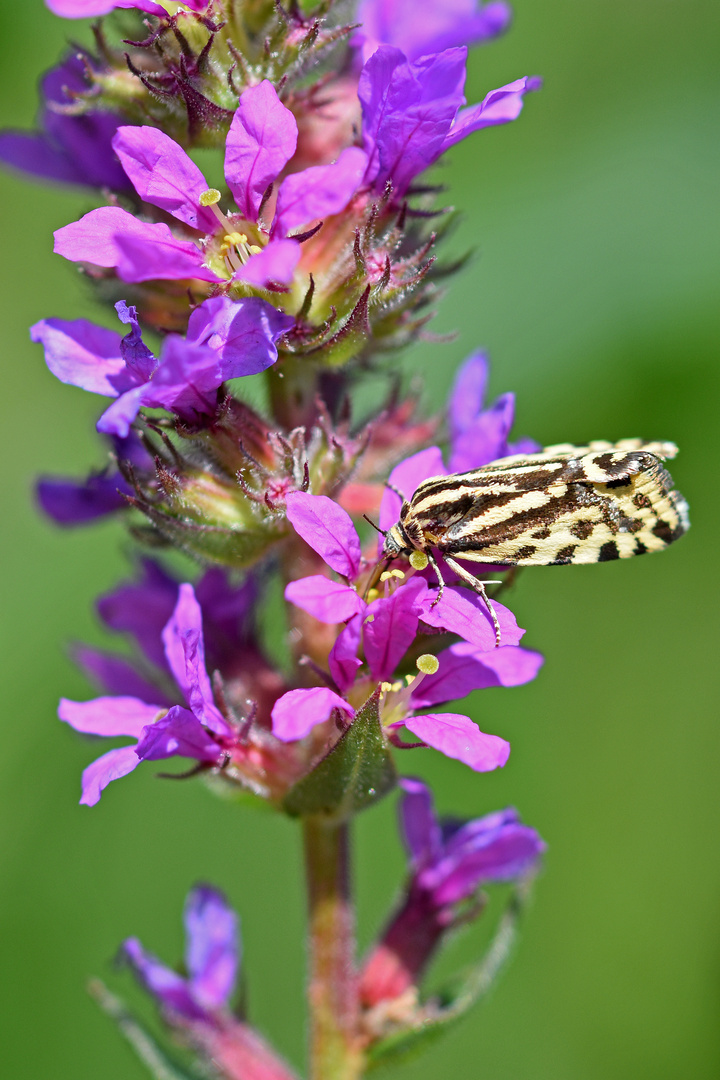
596 291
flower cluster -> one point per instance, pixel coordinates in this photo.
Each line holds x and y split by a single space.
297 266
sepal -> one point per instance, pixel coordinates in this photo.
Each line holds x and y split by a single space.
356 773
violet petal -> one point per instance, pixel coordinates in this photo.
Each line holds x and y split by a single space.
108 716
486 439
178 734
242 332
185 651
296 713
142 609
328 601
164 175
261 140
159 257
82 354
503 854
212 949
457 737
116 675
500 106
75 502
392 629
327 528
464 668
468 392
104 770
418 821
168 988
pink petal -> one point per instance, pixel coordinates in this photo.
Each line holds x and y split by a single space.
275 263
92 239
109 716
296 713
326 600
393 628
327 528
343 659
261 140
465 613
109 767
160 257
164 175
319 191
457 737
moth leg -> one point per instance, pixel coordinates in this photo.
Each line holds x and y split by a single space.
477 586
441 581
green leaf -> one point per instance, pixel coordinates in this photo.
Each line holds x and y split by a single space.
357 772
147 1049
452 1002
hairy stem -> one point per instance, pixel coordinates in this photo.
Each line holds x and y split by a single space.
333 986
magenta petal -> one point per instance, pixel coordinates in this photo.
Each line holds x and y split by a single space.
275 263
464 668
108 716
419 824
159 256
319 191
261 140
213 946
242 332
326 600
185 651
178 734
457 737
392 629
186 380
109 767
465 613
406 477
327 528
92 239
82 354
486 438
296 713
498 107
118 417
166 986
164 175
343 658
87 9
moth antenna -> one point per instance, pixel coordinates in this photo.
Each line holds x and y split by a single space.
376 527
397 491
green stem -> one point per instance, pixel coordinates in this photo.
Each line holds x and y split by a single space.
332 986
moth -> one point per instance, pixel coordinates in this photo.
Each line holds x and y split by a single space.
566 504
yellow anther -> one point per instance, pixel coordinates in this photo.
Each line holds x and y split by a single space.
398 574
210 197
397 686
427 663
386 575
418 560
372 595
370 618
235 238
385 687
254 249
410 679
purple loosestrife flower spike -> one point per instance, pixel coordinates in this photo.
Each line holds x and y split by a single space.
449 862
69 149
421 27
227 339
199 732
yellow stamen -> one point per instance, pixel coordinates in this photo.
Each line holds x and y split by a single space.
210 197
427 663
418 560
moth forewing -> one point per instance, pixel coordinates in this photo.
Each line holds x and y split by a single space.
563 505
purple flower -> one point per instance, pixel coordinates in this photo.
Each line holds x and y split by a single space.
261 141
385 628
226 339
449 861
71 149
76 502
200 731
212 957
412 111
424 27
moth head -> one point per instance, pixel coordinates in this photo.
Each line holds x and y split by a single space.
395 543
